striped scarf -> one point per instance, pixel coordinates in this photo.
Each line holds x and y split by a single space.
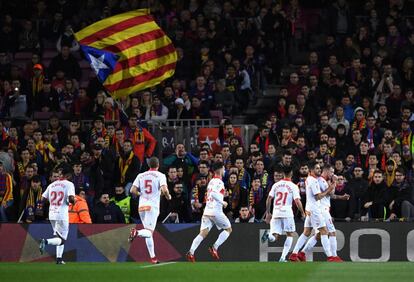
264 177
35 195
37 84
136 136
5 188
95 134
21 168
45 149
359 125
111 115
241 175
390 176
124 165
256 196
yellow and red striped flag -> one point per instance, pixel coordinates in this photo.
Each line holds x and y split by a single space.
129 52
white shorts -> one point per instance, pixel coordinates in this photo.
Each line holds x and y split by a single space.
314 220
282 224
149 218
220 220
60 228
328 220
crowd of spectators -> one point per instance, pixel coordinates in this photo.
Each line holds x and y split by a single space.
348 104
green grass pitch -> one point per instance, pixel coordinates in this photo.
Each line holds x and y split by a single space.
205 271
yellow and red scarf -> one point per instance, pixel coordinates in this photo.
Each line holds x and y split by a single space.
124 165
359 125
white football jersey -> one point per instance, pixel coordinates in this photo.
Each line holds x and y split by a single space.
283 193
214 207
312 189
58 194
149 184
323 185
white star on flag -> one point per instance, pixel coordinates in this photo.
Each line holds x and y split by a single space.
208 141
98 63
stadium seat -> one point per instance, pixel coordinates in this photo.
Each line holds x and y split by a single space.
49 54
23 56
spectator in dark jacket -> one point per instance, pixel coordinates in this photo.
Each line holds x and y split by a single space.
340 208
178 209
107 212
356 187
47 100
400 195
102 171
66 62
374 200
127 166
179 112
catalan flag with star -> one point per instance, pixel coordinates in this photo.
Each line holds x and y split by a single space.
129 52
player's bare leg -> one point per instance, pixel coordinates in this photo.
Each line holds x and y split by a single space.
196 242
296 255
220 240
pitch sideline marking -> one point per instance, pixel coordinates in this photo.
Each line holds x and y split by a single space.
160 264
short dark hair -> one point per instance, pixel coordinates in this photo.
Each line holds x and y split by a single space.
153 162
401 170
36 179
217 166
67 170
312 164
278 169
378 171
128 141
204 163
287 170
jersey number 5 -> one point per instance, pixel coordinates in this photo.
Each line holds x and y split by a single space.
281 198
148 186
56 198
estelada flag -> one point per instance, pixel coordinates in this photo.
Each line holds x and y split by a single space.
211 137
129 52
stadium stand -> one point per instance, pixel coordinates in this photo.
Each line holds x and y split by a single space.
267 82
